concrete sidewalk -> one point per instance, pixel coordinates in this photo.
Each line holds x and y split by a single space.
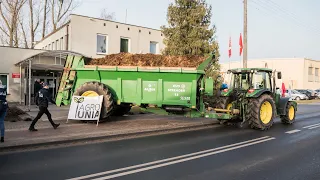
58 113
18 136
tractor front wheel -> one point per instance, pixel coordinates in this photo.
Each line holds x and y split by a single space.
261 112
290 116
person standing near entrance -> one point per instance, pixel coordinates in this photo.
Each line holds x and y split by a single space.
42 100
37 88
3 108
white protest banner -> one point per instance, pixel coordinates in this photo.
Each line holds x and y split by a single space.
85 108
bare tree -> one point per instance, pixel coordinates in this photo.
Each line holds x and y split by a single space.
60 9
9 12
107 15
44 23
34 19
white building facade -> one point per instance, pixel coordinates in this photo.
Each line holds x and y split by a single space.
96 38
297 73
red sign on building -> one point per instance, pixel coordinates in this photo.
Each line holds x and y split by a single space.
15 75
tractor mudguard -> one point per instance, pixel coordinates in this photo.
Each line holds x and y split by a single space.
282 105
258 93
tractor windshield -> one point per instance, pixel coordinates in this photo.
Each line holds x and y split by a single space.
248 80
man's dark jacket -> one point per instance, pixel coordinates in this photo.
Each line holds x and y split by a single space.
43 98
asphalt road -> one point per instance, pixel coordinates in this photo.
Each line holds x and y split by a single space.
284 152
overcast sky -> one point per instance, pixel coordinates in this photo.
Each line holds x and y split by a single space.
276 28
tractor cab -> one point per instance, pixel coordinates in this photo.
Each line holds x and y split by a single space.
250 81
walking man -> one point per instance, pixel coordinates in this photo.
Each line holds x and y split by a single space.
3 108
42 99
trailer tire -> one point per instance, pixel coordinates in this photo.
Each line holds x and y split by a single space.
121 110
261 112
290 115
99 89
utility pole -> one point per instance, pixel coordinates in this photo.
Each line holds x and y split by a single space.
245 34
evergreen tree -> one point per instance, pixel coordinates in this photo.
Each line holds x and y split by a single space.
188 31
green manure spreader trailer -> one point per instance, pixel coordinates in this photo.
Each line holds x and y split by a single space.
176 91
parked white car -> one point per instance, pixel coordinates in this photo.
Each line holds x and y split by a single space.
295 95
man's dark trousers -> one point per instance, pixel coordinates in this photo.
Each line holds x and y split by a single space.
43 110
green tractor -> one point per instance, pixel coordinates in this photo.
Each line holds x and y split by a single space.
252 98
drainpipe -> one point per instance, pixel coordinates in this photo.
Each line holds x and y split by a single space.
29 105
67 38
20 85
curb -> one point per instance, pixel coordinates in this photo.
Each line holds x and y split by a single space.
110 137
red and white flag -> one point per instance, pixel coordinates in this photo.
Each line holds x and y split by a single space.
230 47
240 44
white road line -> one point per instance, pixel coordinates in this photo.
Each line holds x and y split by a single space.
168 159
312 125
181 160
293 131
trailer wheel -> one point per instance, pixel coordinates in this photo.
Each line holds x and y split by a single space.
121 110
290 116
261 112
91 89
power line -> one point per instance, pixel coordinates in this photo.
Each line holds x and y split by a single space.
275 13
289 14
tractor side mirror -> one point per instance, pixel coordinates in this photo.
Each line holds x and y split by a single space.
279 75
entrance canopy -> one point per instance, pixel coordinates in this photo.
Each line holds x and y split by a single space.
47 61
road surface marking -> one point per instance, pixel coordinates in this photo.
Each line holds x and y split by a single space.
182 158
312 125
293 131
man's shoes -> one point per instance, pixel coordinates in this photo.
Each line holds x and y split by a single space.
33 129
2 139
56 126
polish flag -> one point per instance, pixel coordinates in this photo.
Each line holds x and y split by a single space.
240 44
230 47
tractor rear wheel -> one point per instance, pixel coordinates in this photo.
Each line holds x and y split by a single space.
97 89
261 112
290 116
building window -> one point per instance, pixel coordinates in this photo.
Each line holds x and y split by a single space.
57 45
117 26
102 44
316 73
310 74
149 32
49 47
5 81
153 47
53 46
124 45
61 44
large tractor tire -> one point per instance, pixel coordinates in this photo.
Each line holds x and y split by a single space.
290 116
91 89
261 112
121 110
224 103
